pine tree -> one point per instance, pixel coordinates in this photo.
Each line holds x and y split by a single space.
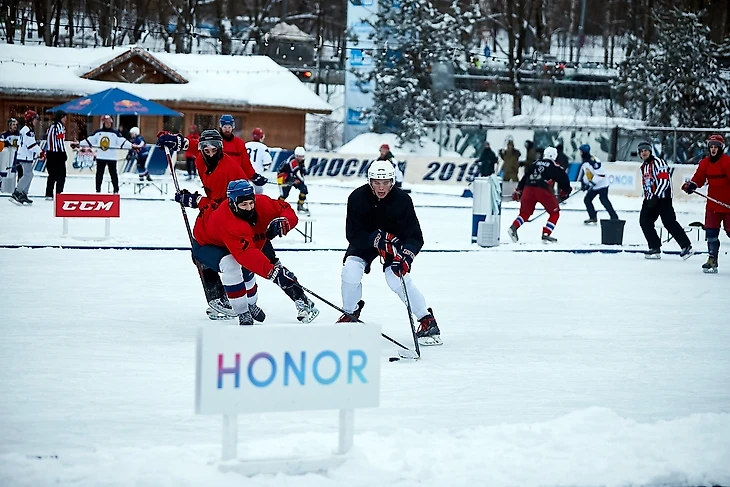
677 79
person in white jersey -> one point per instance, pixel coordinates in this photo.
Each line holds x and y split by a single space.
258 153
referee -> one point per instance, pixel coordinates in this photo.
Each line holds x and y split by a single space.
56 154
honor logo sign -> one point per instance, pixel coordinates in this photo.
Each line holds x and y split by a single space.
87 206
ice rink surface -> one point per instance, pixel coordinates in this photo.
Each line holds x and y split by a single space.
556 369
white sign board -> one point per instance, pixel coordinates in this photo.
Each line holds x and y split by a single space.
251 369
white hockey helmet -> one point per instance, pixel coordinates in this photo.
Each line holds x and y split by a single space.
550 153
134 131
381 170
299 151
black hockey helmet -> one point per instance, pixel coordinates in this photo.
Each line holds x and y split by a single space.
211 138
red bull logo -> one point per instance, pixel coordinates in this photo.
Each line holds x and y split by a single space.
123 106
80 104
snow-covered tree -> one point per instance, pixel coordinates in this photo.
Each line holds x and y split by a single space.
410 37
675 81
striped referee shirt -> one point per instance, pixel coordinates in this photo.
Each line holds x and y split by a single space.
56 136
656 180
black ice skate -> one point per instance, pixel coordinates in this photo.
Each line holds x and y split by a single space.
345 318
245 319
16 199
257 313
428 333
303 209
306 311
710 267
214 315
653 254
590 221
221 305
686 252
547 238
24 198
512 232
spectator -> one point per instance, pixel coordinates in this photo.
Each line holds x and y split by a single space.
9 138
487 161
386 155
531 155
192 152
140 154
56 155
511 157
562 159
28 150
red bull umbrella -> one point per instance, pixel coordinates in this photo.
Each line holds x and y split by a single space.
114 102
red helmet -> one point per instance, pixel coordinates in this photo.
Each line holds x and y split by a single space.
193 129
258 134
716 140
30 115
385 146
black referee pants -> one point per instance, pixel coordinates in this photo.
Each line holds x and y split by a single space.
663 208
56 168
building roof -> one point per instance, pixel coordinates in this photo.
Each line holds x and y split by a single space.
233 81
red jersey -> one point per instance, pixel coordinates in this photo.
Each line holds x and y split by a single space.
243 240
236 148
215 185
717 176
192 151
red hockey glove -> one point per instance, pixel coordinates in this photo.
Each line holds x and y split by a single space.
402 263
517 195
277 228
42 155
689 187
385 242
564 195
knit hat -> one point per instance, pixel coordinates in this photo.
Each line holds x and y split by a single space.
57 116
644 145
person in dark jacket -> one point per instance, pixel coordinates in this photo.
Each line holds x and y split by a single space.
381 221
562 159
487 161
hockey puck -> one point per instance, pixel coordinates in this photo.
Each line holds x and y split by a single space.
393 359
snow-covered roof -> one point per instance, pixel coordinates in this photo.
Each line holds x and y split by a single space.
290 31
243 81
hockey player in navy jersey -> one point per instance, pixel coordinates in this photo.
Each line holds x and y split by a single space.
594 182
535 187
291 174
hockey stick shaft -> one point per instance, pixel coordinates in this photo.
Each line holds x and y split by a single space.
710 198
410 315
393 341
545 211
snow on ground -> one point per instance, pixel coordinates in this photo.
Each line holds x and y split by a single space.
557 368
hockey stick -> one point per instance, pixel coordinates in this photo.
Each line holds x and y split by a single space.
410 315
710 198
391 340
545 211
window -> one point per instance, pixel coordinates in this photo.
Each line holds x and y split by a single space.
172 124
205 122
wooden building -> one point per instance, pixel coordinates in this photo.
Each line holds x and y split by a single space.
254 89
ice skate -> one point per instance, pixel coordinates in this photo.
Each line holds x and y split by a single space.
303 210
428 333
24 198
16 199
245 319
306 311
512 232
148 177
686 252
215 316
590 221
348 319
653 254
221 305
257 313
710 267
547 238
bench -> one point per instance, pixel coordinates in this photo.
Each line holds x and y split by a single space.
688 229
308 228
138 185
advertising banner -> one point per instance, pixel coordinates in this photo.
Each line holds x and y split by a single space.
360 58
67 205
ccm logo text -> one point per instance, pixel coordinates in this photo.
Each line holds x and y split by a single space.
87 205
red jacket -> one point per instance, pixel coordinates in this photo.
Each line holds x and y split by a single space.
717 176
243 240
236 148
192 151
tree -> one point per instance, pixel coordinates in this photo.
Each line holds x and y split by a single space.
675 81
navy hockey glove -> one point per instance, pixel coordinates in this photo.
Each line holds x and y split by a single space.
402 263
689 187
385 242
587 186
174 142
259 180
278 228
517 195
186 198
282 277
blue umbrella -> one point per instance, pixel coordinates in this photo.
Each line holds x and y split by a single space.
114 102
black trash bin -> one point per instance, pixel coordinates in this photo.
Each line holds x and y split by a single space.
612 232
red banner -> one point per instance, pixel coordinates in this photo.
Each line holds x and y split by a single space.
87 205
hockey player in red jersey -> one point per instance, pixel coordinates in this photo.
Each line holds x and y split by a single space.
535 187
243 227
235 147
715 171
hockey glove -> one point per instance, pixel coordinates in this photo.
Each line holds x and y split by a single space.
42 155
186 198
564 195
385 242
689 187
278 228
282 277
174 142
587 186
402 263
259 180
517 195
